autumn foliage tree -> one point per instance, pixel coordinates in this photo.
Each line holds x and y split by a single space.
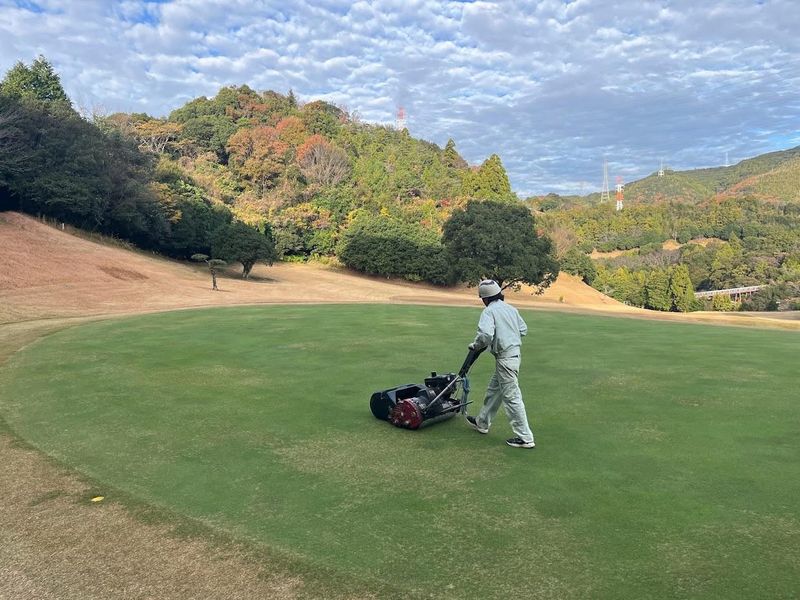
259 155
156 135
322 161
303 230
292 130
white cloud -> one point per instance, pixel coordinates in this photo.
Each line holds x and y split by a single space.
550 86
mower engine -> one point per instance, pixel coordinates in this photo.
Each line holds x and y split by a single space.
414 405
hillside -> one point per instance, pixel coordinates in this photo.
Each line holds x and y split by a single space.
780 184
774 176
49 273
674 186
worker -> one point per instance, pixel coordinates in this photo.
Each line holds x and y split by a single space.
500 329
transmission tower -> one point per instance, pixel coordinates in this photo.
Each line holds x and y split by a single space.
620 192
661 169
400 121
604 195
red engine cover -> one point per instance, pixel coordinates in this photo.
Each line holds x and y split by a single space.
407 414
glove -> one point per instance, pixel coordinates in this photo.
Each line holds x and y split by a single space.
471 346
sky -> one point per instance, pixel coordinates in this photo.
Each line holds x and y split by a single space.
554 87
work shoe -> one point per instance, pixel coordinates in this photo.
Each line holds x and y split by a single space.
474 424
519 443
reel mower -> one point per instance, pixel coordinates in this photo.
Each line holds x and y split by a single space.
415 405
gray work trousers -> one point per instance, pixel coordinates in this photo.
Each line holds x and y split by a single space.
504 389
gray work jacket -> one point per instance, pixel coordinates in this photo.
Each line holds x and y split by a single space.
500 328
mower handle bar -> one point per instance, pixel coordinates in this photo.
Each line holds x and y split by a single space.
472 356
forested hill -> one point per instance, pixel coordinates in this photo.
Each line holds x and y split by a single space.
772 177
306 176
713 228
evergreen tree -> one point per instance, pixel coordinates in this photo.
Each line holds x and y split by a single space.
37 82
492 240
727 268
657 290
681 289
451 156
489 182
241 243
722 302
578 263
391 247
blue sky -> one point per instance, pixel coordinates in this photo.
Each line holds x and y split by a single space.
551 86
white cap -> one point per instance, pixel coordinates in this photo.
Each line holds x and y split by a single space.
488 288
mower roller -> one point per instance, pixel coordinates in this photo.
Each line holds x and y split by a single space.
416 405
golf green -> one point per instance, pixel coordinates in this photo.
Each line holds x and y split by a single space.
667 461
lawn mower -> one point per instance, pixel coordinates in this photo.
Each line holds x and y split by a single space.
415 405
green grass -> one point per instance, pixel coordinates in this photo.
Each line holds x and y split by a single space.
667 463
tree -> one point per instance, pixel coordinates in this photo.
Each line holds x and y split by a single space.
213 265
258 155
322 161
156 135
241 243
193 218
76 172
451 156
722 302
292 131
16 148
489 182
291 100
303 230
681 289
697 260
577 263
767 298
657 290
388 246
492 240
727 267
322 118
207 133
37 82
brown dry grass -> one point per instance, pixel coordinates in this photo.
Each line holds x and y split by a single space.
54 543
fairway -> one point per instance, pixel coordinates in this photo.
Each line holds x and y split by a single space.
667 462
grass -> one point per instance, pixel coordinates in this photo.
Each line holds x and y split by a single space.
666 467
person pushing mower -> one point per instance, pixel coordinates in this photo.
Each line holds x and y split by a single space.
500 329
